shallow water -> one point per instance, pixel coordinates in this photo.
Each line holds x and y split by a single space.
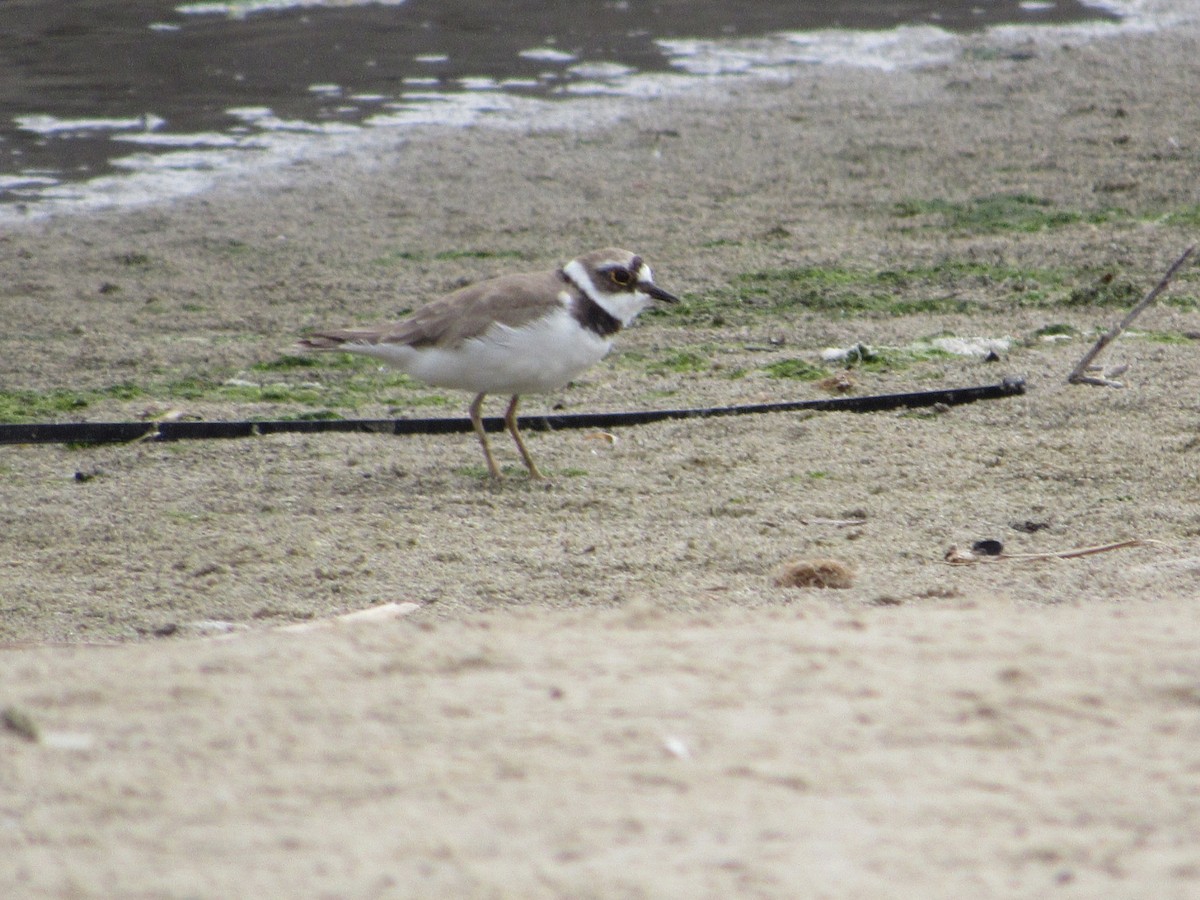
99 88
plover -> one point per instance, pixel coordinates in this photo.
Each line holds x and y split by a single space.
515 334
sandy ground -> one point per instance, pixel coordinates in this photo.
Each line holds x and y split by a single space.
601 691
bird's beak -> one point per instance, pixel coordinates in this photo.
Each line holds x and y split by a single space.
649 287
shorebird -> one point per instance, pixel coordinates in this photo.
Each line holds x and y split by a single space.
515 334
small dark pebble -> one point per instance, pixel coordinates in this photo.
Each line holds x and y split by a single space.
166 630
992 356
81 477
1029 526
19 723
987 548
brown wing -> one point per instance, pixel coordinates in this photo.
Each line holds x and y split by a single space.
512 300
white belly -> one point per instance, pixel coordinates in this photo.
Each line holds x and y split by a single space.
540 357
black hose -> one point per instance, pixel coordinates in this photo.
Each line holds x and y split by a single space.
121 432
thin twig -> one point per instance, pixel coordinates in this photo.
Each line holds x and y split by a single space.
837 523
1082 551
955 556
1078 375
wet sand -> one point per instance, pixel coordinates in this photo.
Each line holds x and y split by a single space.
602 692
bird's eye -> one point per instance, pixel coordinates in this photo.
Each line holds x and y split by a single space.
620 276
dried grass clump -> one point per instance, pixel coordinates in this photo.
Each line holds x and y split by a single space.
815 573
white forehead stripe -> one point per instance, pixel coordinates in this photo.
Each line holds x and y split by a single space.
581 279
644 274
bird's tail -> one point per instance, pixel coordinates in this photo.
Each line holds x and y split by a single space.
352 339
321 342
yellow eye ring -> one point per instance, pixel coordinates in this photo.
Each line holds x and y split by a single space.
621 276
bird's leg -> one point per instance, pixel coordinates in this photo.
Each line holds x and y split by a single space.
510 422
477 424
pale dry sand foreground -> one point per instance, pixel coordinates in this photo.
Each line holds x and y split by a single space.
933 750
602 692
